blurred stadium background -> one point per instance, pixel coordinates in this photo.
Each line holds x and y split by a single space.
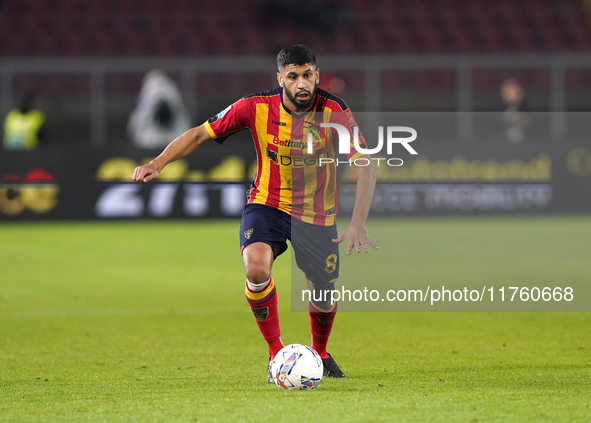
84 61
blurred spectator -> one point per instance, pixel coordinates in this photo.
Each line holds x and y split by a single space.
160 114
514 117
23 126
332 14
321 16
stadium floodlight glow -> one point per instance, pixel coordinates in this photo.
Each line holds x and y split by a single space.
345 139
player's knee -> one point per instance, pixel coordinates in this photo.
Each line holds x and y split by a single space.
322 297
326 304
258 260
257 274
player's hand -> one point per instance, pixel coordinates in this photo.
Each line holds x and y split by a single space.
357 237
145 173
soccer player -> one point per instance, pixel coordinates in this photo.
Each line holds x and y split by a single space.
293 193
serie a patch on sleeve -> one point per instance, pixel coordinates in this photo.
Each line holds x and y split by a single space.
219 115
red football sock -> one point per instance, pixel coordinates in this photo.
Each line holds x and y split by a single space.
321 326
264 308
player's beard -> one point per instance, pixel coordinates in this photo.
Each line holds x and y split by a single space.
302 105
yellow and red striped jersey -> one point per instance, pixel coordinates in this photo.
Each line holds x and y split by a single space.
288 178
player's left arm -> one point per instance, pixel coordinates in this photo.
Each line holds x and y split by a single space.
356 233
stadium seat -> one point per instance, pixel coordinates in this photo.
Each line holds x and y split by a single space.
119 28
388 27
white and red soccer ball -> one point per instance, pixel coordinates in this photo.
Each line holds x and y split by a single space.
297 366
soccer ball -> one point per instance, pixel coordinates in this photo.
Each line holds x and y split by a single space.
297 366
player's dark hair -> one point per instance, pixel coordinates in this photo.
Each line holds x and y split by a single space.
297 54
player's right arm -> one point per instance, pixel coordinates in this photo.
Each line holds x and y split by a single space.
177 149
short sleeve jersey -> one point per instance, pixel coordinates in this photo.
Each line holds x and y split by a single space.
288 177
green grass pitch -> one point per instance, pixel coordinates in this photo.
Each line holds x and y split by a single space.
147 322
